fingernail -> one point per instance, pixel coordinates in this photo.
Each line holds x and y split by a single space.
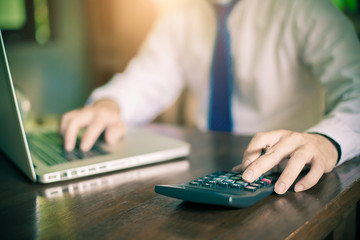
248 175
280 188
84 147
299 188
68 147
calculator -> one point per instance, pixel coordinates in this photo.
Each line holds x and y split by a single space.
221 188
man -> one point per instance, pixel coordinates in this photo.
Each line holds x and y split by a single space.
295 65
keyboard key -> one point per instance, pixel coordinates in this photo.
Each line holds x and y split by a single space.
48 147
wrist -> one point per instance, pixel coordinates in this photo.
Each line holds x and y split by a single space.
335 144
107 104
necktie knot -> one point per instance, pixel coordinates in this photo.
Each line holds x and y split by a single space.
223 11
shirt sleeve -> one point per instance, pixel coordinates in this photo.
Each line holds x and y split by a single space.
153 79
332 52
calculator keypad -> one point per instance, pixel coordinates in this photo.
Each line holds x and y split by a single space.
229 182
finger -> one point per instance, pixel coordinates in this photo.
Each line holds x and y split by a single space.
78 121
293 168
271 158
91 134
237 168
257 144
70 134
250 158
64 121
115 132
310 179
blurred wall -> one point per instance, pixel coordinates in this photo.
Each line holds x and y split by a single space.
54 75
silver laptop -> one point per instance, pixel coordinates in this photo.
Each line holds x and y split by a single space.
40 155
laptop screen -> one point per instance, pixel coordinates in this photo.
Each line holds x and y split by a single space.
12 137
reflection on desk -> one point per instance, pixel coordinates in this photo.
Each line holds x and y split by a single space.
57 202
98 184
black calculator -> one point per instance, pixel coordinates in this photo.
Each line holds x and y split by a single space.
221 188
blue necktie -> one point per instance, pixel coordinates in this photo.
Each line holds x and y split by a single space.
221 79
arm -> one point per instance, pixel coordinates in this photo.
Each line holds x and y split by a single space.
331 51
336 61
150 83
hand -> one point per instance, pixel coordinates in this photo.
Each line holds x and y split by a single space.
298 149
103 115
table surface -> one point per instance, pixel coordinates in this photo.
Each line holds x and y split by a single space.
123 204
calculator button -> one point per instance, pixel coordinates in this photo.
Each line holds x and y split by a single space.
229 181
256 185
223 184
207 185
261 183
250 188
236 186
194 183
230 174
236 178
241 182
266 180
199 181
218 179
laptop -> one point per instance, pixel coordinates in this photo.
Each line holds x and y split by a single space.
41 157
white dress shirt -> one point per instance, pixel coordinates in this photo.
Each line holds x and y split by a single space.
296 67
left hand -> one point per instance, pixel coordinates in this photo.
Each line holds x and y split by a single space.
299 149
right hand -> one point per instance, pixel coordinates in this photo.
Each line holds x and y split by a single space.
103 115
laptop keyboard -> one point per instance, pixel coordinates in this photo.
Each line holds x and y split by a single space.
48 147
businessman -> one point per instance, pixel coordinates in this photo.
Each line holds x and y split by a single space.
286 71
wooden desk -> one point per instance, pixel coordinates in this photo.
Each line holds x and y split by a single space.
123 205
